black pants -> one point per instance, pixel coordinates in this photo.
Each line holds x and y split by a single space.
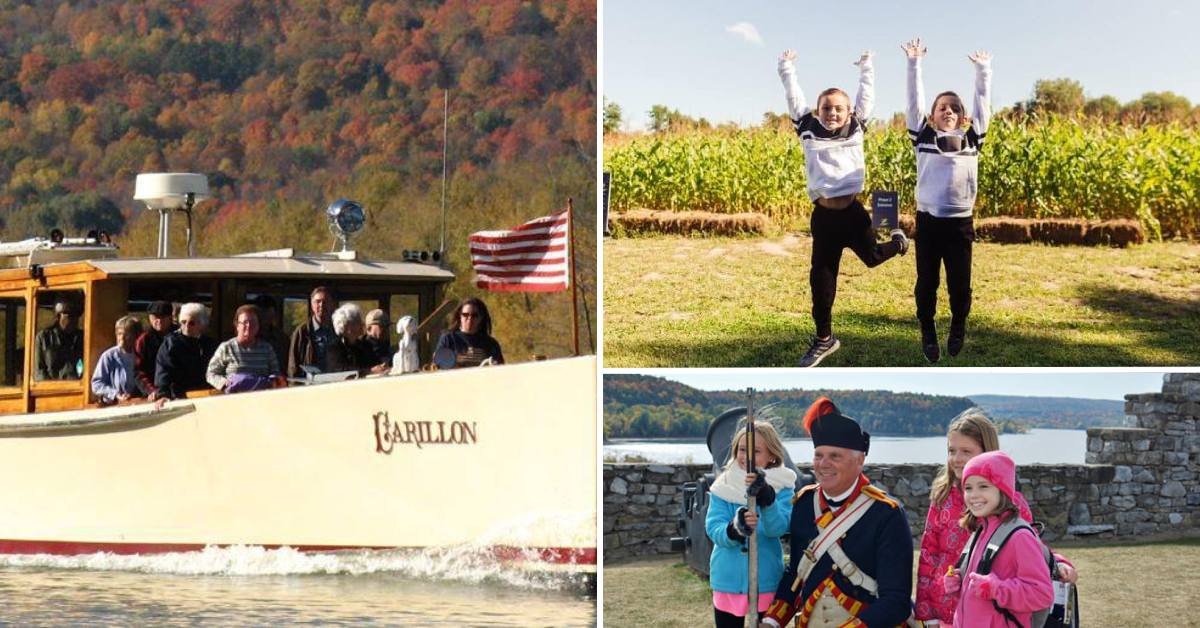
725 620
832 231
944 241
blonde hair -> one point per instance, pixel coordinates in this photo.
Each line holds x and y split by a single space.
1005 510
955 102
770 438
973 424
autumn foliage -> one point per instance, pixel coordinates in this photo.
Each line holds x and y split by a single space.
287 106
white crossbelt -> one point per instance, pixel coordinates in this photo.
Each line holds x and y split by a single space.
828 541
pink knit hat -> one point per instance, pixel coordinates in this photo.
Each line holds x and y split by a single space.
995 467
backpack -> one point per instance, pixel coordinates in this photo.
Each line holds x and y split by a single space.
1063 613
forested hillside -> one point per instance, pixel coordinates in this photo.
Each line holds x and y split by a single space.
645 406
1055 412
287 106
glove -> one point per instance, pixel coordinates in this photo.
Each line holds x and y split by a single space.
980 586
763 493
738 529
951 583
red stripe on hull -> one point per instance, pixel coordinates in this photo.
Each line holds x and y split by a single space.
555 555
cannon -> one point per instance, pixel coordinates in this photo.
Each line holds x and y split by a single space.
693 541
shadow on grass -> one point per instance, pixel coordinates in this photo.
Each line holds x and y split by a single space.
894 341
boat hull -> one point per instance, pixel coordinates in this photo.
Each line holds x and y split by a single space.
502 458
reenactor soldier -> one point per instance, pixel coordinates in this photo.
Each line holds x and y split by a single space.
852 552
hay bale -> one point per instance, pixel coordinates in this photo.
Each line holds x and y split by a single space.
1059 231
1119 233
637 221
1004 230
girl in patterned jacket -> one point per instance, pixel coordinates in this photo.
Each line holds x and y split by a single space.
969 434
729 524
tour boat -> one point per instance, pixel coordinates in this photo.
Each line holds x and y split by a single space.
501 458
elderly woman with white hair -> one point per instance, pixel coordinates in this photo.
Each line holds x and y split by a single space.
114 380
183 358
350 352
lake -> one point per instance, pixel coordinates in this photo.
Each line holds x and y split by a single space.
1038 445
252 586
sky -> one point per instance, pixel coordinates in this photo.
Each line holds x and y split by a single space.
1092 384
717 58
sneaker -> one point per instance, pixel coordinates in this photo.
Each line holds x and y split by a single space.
958 336
929 343
819 350
899 238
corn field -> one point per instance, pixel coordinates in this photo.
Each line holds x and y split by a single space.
1049 168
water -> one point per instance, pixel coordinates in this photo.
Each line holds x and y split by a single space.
253 586
1038 445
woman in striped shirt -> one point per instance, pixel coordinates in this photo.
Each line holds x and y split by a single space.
244 362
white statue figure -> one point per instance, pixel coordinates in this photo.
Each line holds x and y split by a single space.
406 360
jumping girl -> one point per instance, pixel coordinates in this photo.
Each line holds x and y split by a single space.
729 524
1018 583
832 138
969 435
947 144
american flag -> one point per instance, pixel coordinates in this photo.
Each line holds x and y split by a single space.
529 258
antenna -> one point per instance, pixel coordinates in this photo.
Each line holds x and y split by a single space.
445 126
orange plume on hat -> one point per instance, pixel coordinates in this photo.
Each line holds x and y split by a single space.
820 407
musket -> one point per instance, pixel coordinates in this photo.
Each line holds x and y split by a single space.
751 620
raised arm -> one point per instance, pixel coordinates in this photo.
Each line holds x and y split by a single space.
787 73
983 91
915 114
864 102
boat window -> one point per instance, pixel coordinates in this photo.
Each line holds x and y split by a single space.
58 346
12 332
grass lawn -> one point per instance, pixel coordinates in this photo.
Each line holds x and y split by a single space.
678 301
1119 585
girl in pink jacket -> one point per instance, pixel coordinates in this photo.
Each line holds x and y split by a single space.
1019 580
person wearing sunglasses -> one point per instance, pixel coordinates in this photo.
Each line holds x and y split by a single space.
470 336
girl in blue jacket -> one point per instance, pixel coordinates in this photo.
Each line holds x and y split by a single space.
729 524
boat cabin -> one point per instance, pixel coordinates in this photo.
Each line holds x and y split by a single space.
102 288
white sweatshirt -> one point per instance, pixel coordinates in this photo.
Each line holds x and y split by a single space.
833 160
947 180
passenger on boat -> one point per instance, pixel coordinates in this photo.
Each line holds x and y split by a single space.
184 356
350 352
377 339
145 349
114 380
470 335
244 362
60 346
269 328
312 338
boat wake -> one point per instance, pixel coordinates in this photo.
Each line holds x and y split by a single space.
467 564
503 556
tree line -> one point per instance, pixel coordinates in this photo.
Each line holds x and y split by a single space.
642 406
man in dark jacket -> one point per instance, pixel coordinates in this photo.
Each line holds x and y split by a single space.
182 361
60 346
145 348
311 339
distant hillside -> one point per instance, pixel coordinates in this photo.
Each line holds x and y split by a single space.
1053 412
287 106
641 406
